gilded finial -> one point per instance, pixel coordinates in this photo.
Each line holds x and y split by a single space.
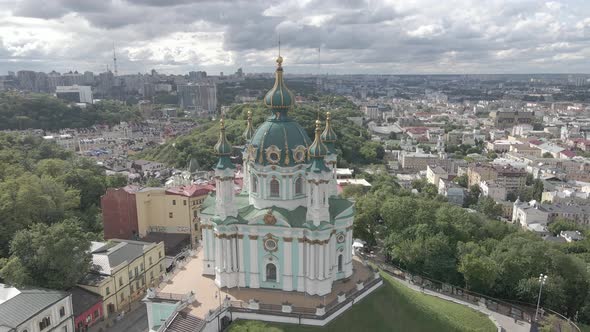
318 123
249 115
280 61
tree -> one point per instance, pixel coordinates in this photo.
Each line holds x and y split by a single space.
489 207
353 191
480 273
116 181
547 155
462 180
53 256
153 182
562 224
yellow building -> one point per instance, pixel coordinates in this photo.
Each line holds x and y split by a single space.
123 270
172 210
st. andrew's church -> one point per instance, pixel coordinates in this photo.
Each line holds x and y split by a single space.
288 229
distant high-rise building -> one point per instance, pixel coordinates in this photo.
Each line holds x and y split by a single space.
201 97
197 75
75 93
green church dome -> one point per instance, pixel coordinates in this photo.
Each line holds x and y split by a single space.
281 142
279 98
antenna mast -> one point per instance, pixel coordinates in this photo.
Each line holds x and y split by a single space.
115 59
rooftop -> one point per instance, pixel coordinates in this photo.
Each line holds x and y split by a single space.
27 303
82 300
108 255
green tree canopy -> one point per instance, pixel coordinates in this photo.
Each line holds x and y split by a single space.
53 256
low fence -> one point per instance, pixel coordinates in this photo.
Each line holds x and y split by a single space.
524 311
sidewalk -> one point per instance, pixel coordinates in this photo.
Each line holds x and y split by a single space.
505 322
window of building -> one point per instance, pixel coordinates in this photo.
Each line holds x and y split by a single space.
121 281
195 213
137 285
196 227
274 188
340 263
108 290
254 184
184 202
65 329
150 260
170 215
142 282
136 271
173 202
130 275
62 312
161 269
95 314
160 254
271 272
122 297
141 266
299 186
151 275
44 323
131 287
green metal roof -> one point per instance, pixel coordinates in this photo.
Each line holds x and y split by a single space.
285 134
295 218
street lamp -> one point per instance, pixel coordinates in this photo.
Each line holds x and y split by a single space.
542 280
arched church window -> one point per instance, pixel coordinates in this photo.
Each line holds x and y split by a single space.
340 263
274 188
254 184
299 186
271 272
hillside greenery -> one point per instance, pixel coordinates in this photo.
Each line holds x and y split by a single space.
425 235
43 111
46 190
353 145
393 307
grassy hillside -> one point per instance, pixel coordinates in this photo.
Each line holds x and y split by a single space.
392 307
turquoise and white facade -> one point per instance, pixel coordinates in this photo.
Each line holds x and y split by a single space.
287 229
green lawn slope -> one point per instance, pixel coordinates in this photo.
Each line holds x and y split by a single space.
393 307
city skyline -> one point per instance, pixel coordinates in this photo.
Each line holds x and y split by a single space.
355 37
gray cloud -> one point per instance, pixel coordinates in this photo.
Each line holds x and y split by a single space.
355 35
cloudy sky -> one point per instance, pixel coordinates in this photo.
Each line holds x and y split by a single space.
355 36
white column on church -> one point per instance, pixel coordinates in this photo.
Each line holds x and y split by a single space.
234 253
218 263
288 260
226 254
254 275
320 261
313 261
327 258
241 267
301 260
348 245
308 262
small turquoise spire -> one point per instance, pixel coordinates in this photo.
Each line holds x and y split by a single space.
223 149
279 99
317 151
329 136
249 132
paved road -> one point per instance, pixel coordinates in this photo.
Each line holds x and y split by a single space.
135 321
